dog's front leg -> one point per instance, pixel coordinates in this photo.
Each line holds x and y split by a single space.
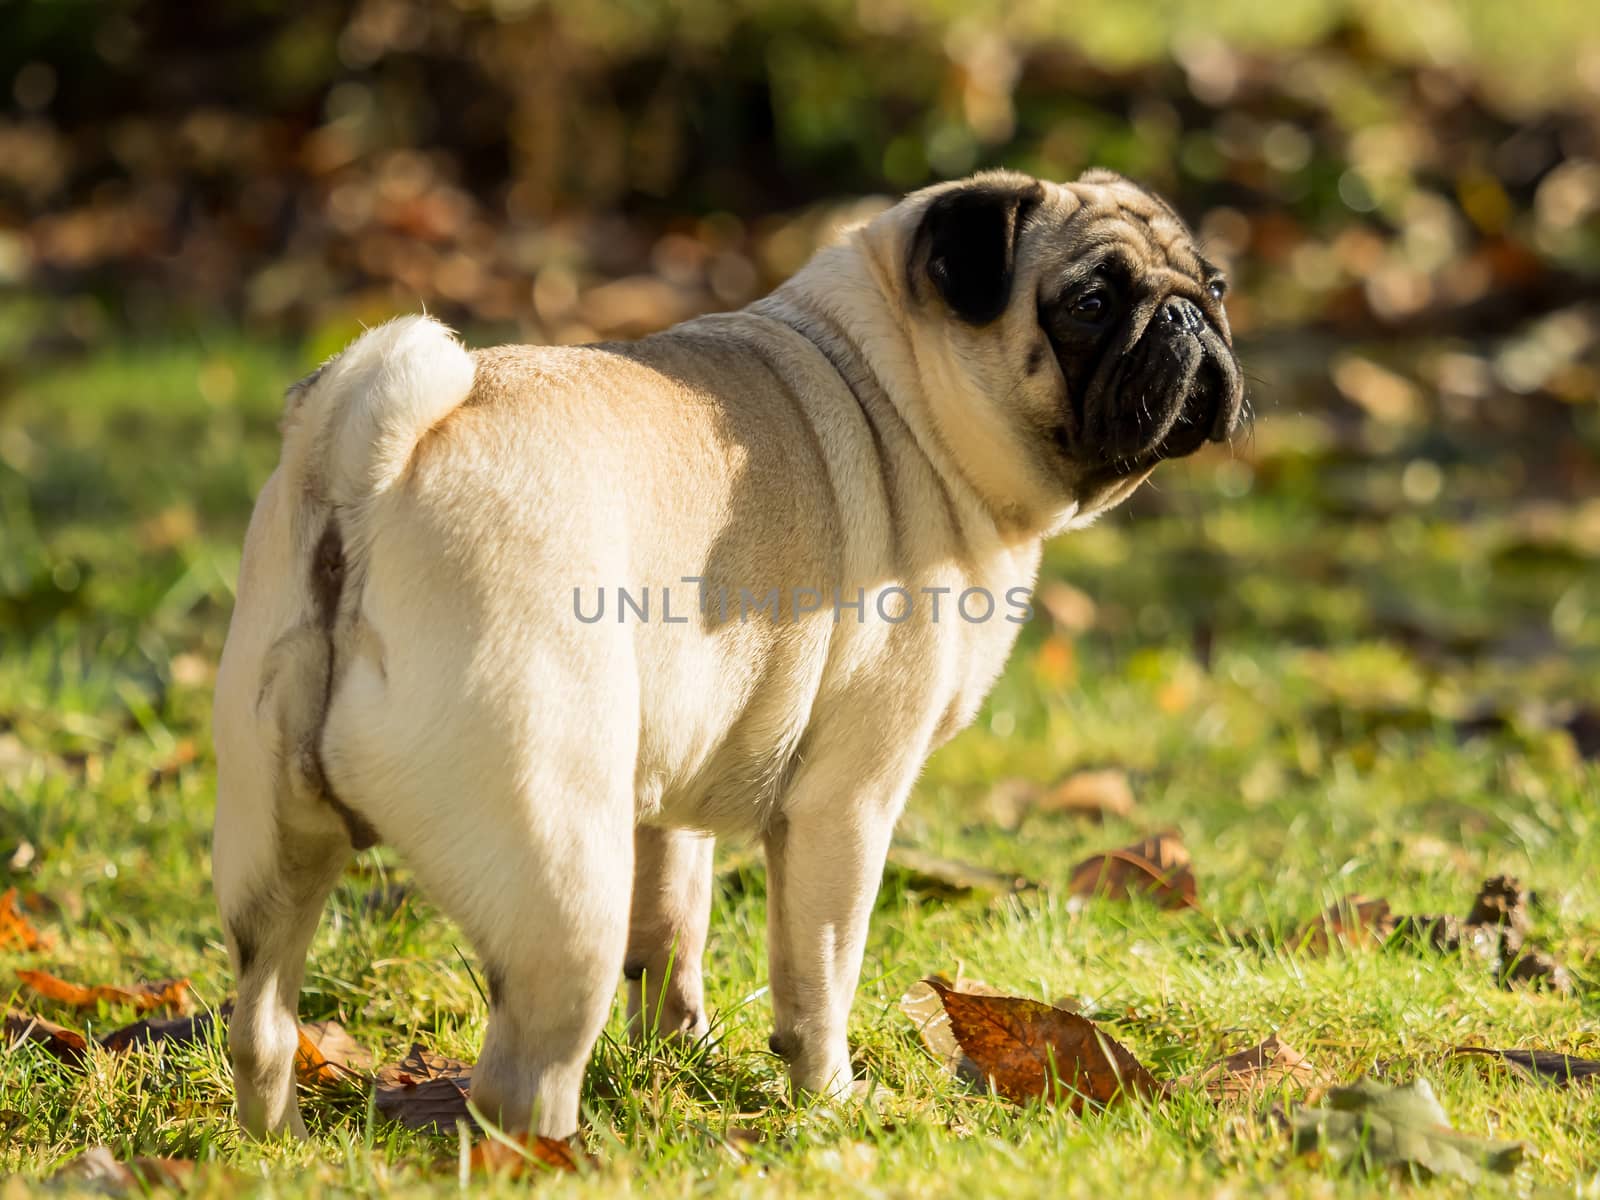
825 854
667 932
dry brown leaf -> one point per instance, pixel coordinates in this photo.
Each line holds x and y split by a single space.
169 993
1523 962
15 928
1266 1067
1096 794
66 1044
178 1031
1029 1050
98 1170
739 1141
927 1012
425 1090
948 877
328 1054
1010 800
1502 901
1157 868
1548 1066
529 1155
1350 921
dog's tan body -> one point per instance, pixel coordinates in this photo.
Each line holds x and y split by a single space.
414 655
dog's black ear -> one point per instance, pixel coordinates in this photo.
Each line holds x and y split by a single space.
966 244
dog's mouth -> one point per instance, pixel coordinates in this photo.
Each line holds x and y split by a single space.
1175 389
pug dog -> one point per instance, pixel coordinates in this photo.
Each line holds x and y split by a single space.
547 620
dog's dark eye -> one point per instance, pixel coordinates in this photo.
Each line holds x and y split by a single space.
1217 288
1091 306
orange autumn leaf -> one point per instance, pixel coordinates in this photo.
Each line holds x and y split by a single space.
528 1154
328 1054
1030 1050
15 928
66 1044
170 993
309 1064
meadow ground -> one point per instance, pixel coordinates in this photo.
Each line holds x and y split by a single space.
1337 660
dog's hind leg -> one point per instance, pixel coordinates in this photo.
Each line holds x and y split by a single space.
270 907
548 915
281 839
667 932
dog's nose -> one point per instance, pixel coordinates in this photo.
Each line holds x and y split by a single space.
1182 314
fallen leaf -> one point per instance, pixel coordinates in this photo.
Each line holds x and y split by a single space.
1028 1050
178 1031
143 997
1350 921
927 1012
1269 1066
1548 1066
1502 900
328 1054
1368 1125
98 1170
521 1154
937 876
739 1141
1443 933
1157 868
1495 930
1095 794
15 928
1523 962
1010 800
425 1090
66 1044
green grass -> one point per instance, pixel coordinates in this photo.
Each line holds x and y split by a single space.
1284 647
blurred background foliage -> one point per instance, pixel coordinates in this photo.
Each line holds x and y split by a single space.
197 202
1361 163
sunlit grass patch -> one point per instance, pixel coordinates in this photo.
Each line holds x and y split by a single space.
1255 663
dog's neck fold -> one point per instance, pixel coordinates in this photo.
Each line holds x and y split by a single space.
841 302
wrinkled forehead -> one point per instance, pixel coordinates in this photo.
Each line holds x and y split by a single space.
1092 222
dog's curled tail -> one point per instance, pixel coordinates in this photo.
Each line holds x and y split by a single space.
350 429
